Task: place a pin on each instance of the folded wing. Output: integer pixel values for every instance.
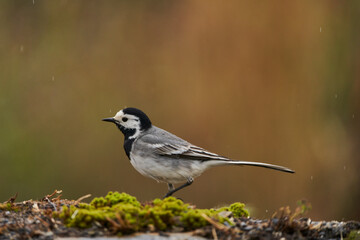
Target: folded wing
(187, 152)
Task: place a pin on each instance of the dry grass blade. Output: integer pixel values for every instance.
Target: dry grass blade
(82, 198)
(121, 221)
(114, 225)
(120, 225)
(217, 225)
(213, 231)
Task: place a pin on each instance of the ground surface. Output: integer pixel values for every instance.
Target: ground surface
(38, 220)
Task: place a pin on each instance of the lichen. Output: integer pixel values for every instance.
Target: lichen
(124, 214)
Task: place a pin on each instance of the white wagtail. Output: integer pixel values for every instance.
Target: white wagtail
(158, 154)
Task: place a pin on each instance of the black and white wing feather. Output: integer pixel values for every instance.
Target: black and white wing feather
(166, 144)
(187, 152)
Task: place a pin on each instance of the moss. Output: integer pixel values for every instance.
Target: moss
(238, 209)
(353, 235)
(5, 206)
(192, 219)
(124, 214)
(8, 207)
(113, 198)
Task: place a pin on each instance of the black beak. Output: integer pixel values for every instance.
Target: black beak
(109, 120)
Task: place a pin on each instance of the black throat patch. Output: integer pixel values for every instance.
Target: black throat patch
(128, 142)
(128, 145)
(145, 124)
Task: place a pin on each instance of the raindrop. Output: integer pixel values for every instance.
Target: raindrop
(33, 2)
(311, 178)
(266, 210)
(320, 29)
(344, 167)
(110, 110)
(335, 95)
(353, 116)
(21, 48)
(53, 78)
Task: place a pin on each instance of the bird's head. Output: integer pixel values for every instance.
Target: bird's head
(130, 121)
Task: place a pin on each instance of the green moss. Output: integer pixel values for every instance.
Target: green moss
(124, 214)
(113, 198)
(353, 235)
(192, 219)
(8, 207)
(238, 210)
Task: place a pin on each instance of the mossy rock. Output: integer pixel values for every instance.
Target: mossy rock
(129, 215)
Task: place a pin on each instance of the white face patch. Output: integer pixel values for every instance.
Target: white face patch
(128, 121)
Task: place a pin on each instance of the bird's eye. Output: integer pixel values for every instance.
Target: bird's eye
(124, 119)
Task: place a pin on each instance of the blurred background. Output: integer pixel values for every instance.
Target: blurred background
(251, 80)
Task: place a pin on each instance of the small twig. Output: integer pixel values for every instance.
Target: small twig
(213, 230)
(47, 198)
(341, 235)
(121, 221)
(74, 213)
(82, 198)
(121, 225)
(56, 198)
(12, 199)
(55, 192)
(274, 215)
(115, 226)
(217, 225)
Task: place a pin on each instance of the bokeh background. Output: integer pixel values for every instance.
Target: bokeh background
(277, 82)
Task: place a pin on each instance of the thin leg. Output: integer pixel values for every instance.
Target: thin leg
(170, 186)
(171, 192)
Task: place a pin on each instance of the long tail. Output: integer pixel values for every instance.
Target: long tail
(257, 164)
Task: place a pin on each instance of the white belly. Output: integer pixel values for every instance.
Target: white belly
(167, 170)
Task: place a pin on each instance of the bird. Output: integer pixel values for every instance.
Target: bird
(165, 157)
